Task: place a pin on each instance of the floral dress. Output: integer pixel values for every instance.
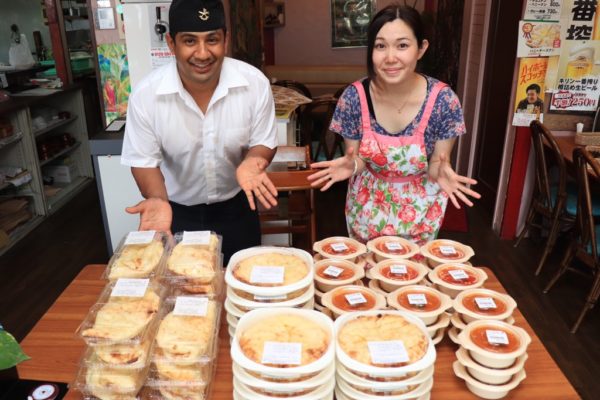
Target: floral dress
(393, 195)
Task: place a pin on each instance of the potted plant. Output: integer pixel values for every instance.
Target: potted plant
(10, 355)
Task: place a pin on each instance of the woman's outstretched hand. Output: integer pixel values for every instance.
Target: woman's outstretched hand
(453, 184)
(333, 171)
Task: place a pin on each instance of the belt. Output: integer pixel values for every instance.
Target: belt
(394, 179)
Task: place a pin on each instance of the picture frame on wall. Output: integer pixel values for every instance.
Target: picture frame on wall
(349, 22)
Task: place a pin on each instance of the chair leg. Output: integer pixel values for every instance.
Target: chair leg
(551, 239)
(528, 221)
(564, 265)
(590, 302)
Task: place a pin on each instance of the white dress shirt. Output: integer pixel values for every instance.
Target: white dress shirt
(198, 153)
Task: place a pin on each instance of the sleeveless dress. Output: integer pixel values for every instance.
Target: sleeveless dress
(393, 195)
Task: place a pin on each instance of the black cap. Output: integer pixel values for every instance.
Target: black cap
(196, 16)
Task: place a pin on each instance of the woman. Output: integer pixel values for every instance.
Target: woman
(399, 128)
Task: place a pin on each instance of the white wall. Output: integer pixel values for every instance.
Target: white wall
(27, 14)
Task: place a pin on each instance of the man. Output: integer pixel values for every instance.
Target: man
(532, 104)
(197, 130)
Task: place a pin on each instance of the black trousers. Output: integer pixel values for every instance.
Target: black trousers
(232, 219)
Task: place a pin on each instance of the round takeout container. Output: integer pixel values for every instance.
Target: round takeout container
(388, 281)
(429, 317)
(489, 358)
(325, 282)
(354, 248)
(324, 392)
(235, 259)
(352, 393)
(486, 391)
(490, 376)
(328, 299)
(452, 287)
(385, 247)
(247, 305)
(462, 253)
(472, 312)
(270, 373)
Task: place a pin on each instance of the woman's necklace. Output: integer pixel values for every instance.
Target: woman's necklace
(401, 108)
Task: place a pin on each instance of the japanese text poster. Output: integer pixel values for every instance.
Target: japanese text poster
(543, 10)
(529, 104)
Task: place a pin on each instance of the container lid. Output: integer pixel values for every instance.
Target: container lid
(195, 258)
(494, 339)
(399, 272)
(445, 251)
(128, 356)
(95, 380)
(457, 276)
(483, 303)
(340, 247)
(140, 254)
(351, 298)
(392, 247)
(337, 272)
(421, 300)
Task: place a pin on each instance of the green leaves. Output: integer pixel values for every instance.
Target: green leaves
(10, 351)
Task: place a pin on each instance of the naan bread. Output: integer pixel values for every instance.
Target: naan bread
(137, 261)
(192, 261)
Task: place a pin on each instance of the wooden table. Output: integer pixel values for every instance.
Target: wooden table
(55, 350)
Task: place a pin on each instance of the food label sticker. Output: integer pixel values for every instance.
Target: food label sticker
(193, 306)
(339, 247)
(485, 303)
(398, 269)
(269, 298)
(140, 237)
(458, 274)
(355, 298)
(262, 274)
(417, 299)
(196, 237)
(393, 246)
(130, 287)
(333, 271)
(282, 353)
(496, 337)
(388, 352)
(447, 250)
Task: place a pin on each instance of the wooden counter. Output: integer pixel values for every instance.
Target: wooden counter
(55, 350)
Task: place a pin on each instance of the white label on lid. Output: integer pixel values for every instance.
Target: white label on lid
(339, 247)
(355, 298)
(417, 299)
(485, 303)
(262, 274)
(398, 269)
(393, 246)
(447, 250)
(388, 352)
(196, 237)
(193, 306)
(280, 353)
(458, 274)
(130, 287)
(270, 298)
(333, 271)
(140, 237)
(496, 337)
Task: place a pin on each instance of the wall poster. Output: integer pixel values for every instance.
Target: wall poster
(529, 104)
(349, 22)
(114, 80)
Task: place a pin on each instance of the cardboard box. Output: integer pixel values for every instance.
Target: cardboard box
(61, 173)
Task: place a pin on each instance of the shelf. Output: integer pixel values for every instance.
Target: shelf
(59, 154)
(74, 17)
(20, 231)
(21, 176)
(56, 124)
(11, 139)
(67, 190)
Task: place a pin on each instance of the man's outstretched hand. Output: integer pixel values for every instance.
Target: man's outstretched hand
(155, 214)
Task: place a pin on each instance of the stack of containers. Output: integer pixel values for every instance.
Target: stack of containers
(380, 356)
(341, 248)
(283, 353)
(425, 303)
(491, 357)
(352, 298)
(267, 277)
(442, 251)
(392, 247)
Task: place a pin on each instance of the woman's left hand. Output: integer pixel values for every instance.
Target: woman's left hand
(453, 184)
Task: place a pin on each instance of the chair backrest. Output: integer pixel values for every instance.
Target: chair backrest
(314, 122)
(586, 164)
(539, 135)
(297, 86)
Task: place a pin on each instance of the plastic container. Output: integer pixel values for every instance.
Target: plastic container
(330, 273)
(490, 376)
(441, 324)
(302, 372)
(324, 392)
(350, 392)
(393, 274)
(486, 391)
(384, 373)
(340, 247)
(506, 354)
(374, 285)
(475, 304)
(443, 251)
(119, 356)
(453, 278)
(194, 260)
(99, 381)
(235, 283)
(139, 255)
(157, 389)
(386, 247)
(123, 320)
(184, 287)
(429, 304)
(248, 305)
(352, 298)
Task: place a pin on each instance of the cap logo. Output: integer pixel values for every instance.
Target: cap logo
(204, 14)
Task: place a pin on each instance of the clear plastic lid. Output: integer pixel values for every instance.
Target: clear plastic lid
(140, 254)
(195, 258)
(157, 389)
(126, 313)
(119, 356)
(186, 287)
(188, 331)
(96, 381)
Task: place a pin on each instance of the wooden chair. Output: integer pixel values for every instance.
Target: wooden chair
(548, 200)
(585, 239)
(296, 197)
(297, 86)
(314, 124)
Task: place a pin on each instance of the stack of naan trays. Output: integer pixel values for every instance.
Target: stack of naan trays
(385, 354)
(283, 353)
(267, 277)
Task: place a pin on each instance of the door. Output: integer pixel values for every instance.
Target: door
(497, 85)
